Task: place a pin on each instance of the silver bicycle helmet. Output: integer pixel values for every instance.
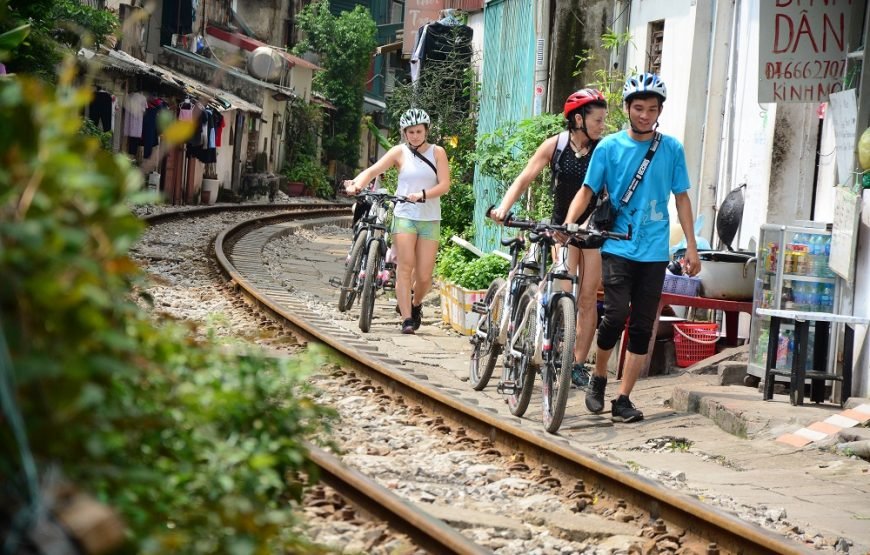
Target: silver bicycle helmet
(414, 116)
(644, 83)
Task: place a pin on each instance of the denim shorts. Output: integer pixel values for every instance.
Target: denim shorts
(422, 229)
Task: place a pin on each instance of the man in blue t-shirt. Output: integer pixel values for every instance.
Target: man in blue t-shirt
(634, 270)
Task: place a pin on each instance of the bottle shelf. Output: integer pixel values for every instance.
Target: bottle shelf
(811, 279)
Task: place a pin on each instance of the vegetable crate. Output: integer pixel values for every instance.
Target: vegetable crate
(456, 305)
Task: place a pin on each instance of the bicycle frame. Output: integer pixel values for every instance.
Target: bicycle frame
(545, 299)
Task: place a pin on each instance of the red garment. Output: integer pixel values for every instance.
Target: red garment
(219, 127)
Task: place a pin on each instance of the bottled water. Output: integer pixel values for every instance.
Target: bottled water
(827, 298)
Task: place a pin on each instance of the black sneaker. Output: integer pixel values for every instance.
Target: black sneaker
(580, 376)
(595, 393)
(408, 326)
(417, 315)
(624, 410)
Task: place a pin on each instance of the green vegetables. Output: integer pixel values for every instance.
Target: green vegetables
(459, 266)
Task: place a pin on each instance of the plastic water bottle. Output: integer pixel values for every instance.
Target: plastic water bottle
(827, 298)
(817, 248)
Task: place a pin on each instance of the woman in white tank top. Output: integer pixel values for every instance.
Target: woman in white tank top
(424, 176)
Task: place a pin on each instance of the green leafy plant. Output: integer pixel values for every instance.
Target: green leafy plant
(93, 130)
(199, 449)
(608, 81)
(54, 26)
(504, 153)
(461, 267)
(308, 171)
(345, 44)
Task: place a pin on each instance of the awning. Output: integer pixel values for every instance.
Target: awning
(121, 61)
(389, 47)
(317, 98)
(250, 44)
(371, 105)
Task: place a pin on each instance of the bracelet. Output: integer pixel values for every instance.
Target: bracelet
(424, 194)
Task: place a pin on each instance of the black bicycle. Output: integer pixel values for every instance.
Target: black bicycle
(366, 269)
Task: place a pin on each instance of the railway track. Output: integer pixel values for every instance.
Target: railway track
(236, 249)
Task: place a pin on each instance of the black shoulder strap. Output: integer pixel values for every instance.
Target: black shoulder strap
(644, 164)
(421, 157)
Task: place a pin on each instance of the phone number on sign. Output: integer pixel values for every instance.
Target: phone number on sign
(814, 69)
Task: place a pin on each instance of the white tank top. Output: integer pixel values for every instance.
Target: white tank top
(415, 176)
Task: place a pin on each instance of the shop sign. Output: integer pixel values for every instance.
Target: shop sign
(802, 48)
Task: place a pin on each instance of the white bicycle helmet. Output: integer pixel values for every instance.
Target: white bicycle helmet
(414, 116)
(644, 83)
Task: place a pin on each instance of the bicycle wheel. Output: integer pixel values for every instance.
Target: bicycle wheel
(485, 346)
(556, 377)
(351, 275)
(521, 371)
(367, 301)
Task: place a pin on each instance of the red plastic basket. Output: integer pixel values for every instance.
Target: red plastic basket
(695, 341)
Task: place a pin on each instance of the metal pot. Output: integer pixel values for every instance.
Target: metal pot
(727, 275)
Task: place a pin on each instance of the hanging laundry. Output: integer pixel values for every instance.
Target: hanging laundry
(134, 107)
(150, 134)
(100, 109)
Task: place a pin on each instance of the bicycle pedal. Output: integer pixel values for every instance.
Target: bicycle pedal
(479, 307)
(335, 282)
(507, 388)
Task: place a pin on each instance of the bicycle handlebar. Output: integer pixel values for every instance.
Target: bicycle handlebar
(570, 229)
(385, 196)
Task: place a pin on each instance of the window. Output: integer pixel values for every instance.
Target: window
(654, 47)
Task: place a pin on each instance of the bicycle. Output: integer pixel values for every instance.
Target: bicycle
(366, 268)
(544, 326)
(493, 329)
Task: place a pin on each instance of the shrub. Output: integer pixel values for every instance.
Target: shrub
(458, 265)
(308, 171)
(196, 447)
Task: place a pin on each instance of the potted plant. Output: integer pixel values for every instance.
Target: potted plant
(464, 280)
(210, 184)
(308, 172)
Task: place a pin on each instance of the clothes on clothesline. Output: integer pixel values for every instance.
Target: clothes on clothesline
(100, 109)
(134, 106)
(150, 135)
(204, 144)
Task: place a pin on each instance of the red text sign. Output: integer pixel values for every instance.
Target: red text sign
(802, 48)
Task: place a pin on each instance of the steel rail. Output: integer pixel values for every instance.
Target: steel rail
(201, 211)
(729, 532)
(426, 531)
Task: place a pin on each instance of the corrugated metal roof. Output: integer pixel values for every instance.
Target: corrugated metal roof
(121, 61)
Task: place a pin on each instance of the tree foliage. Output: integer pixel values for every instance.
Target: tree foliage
(503, 155)
(345, 44)
(197, 448)
(56, 25)
(447, 91)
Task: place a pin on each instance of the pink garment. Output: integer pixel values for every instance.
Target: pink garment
(135, 106)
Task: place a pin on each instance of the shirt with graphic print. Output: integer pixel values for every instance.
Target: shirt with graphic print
(614, 164)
